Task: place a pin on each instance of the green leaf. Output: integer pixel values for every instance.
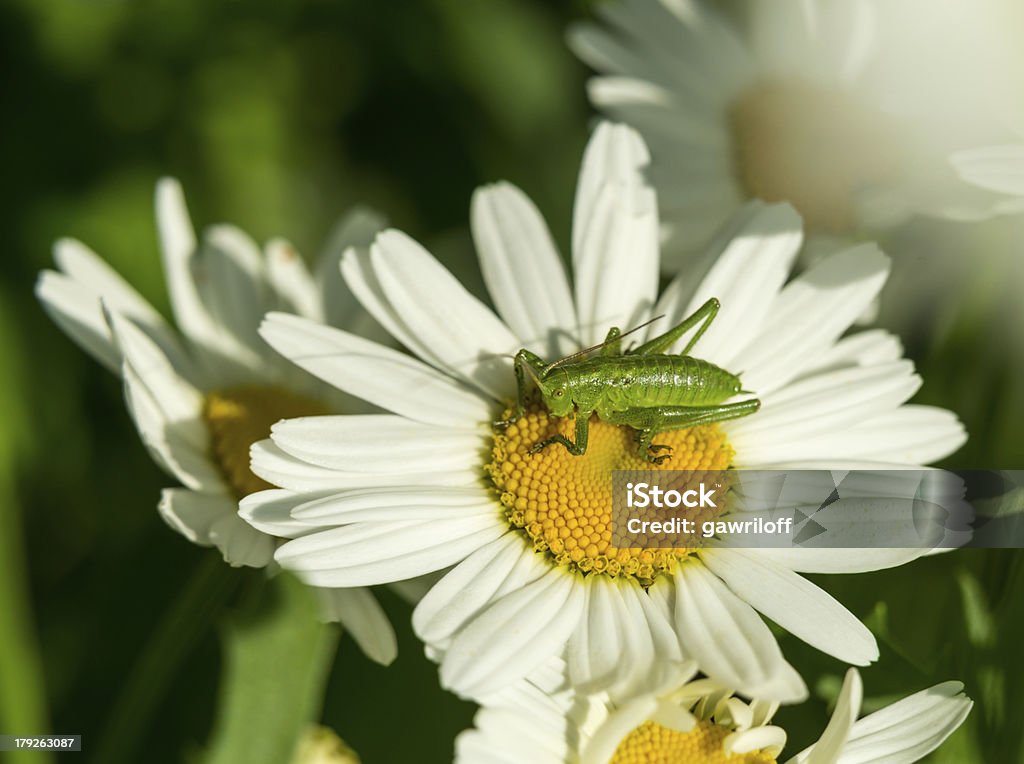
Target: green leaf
(277, 657)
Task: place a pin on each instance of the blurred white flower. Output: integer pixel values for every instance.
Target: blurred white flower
(846, 109)
(698, 722)
(374, 499)
(999, 169)
(200, 396)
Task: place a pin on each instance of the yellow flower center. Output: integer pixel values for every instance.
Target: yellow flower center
(237, 417)
(813, 147)
(650, 743)
(563, 503)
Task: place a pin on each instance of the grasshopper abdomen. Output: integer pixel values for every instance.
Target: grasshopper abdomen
(657, 380)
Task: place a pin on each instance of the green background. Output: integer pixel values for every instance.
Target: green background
(278, 117)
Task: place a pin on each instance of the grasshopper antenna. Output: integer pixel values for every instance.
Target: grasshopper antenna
(585, 351)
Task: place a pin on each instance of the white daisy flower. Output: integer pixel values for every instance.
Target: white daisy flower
(200, 398)
(372, 499)
(812, 105)
(701, 723)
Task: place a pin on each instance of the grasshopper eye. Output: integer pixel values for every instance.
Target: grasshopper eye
(559, 393)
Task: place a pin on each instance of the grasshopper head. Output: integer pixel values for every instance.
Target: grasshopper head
(555, 390)
(553, 384)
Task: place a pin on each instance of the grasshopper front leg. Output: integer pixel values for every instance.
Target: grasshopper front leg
(576, 449)
(524, 360)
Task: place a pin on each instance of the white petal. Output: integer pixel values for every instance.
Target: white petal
(755, 739)
(272, 464)
(292, 284)
(285, 514)
(356, 229)
(240, 543)
(795, 604)
(861, 349)
(268, 461)
(79, 314)
(452, 325)
(380, 552)
(362, 616)
(680, 293)
(180, 401)
(192, 514)
(810, 560)
(86, 268)
(746, 280)
(522, 269)
(818, 406)
(166, 409)
(378, 443)
(672, 716)
(615, 234)
(212, 520)
(659, 115)
(395, 504)
(830, 745)
(810, 314)
(909, 729)
(361, 278)
(270, 512)
(173, 452)
(908, 435)
(390, 379)
(526, 727)
(514, 636)
(609, 632)
(729, 640)
(473, 747)
(179, 249)
(399, 504)
(620, 619)
(601, 746)
(73, 299)
(997, 168)
(502, 566)
(827, 41)
(657, 614)
(686, 46)
(231, 281)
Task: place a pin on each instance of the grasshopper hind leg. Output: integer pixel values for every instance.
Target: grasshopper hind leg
(648, 450)
(648, 422)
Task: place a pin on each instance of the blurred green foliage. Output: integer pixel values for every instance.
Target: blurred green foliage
(277, 117)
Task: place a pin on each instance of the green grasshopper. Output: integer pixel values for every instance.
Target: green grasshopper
(643, 388)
